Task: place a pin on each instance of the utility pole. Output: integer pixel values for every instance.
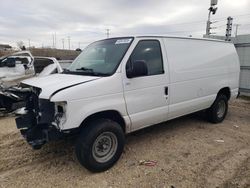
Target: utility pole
(55, 39)
(29, 42)
(79, 45)
(236, 29)
(63, 43)
(108, 32)
(212, 10)
(229, 28)
(69, 41)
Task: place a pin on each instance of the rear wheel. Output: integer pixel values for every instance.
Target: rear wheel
(218, 111)
(100, 145)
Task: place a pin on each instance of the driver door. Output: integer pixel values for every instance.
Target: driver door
(147, 96)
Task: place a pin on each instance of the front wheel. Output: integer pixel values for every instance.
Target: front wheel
(218, 111)
(100, 145)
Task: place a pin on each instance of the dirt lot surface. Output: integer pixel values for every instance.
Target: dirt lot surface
(189, 152)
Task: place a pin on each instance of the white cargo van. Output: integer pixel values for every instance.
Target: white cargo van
(120, 85)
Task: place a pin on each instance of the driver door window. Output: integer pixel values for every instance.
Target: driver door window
(148, 51)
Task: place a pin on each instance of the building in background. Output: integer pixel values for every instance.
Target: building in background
(4, 47)
(242, 44)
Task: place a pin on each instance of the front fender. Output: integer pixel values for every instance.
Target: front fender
(78, 110)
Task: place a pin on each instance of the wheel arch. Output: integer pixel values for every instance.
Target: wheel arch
(107, 114)
(225, 91)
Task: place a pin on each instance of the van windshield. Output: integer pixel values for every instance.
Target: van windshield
(100, 58)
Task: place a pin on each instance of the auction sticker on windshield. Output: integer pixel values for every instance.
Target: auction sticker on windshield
(123, 41)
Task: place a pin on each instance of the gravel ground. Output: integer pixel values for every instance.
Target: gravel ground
(189, 151)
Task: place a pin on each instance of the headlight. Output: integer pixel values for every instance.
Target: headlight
(60, 113)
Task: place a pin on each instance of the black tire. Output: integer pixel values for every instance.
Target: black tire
(88, 144)
(213, 114)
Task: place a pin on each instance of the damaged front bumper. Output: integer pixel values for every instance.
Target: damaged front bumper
(37, 124)
(37, 134)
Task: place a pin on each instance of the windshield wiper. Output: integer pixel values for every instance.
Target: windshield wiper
(66, 70)
(92, 72)
(85, 69)
(100, 74)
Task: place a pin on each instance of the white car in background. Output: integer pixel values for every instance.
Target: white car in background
(17, 67)
(22, 65)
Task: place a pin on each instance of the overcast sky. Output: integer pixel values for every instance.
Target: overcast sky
(86, 21)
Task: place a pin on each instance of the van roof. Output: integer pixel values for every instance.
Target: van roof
(180, 37)
(176, 37)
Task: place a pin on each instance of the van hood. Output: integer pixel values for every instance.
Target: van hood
(54, 83)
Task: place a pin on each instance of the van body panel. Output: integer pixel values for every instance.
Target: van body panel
(192, 72)
(198, 70)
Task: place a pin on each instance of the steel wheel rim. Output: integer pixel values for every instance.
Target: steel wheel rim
(221, 109)
(104, 147)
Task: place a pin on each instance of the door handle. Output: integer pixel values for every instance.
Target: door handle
(166, 90)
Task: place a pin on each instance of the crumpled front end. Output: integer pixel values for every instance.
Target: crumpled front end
(37, 122)
(11, 99)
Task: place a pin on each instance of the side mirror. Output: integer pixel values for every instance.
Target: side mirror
(10, 62)
(137, 68)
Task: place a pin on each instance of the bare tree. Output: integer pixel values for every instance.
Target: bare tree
(20, 44)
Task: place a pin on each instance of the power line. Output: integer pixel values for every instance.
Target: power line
(234, 16)
(219, 19)
(170, 32)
